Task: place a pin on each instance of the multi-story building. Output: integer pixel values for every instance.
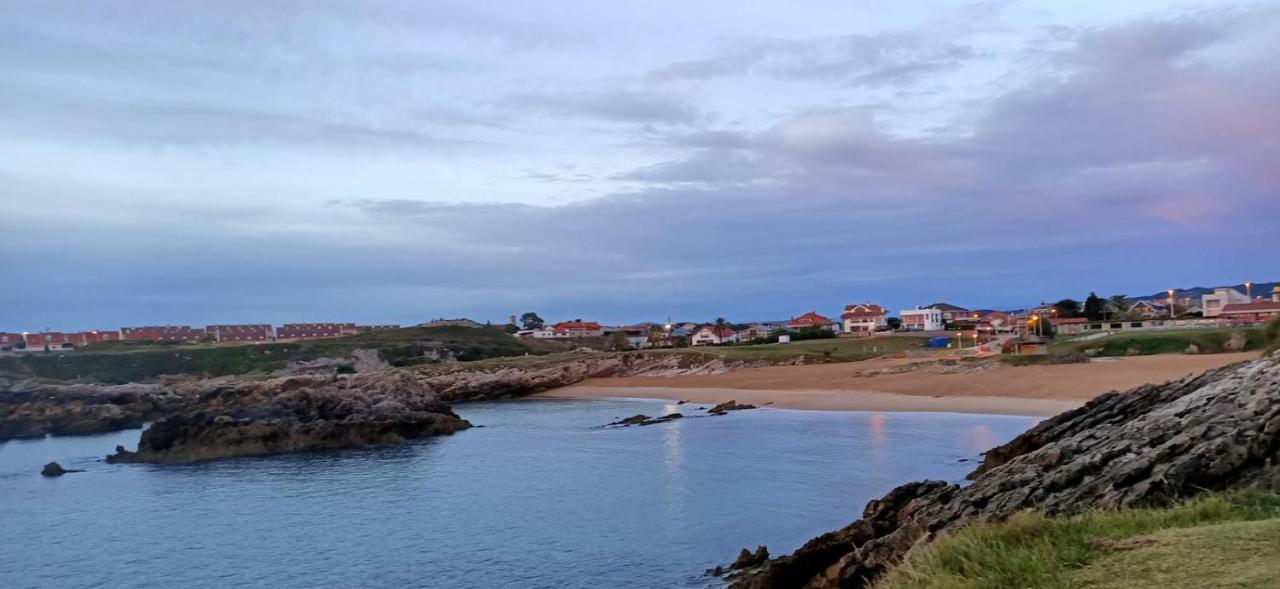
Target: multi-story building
(9, 341)
(48, 339)
(712, 335)
(162, 333)
(369, 328)
(241, 333)
(949, 312)
(577, 328)
(84, 338)
(864, 319)
(922, 319)
(294, 331)
(1211, 305)
(811, 320)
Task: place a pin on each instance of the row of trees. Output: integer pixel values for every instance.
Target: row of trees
(1095, 308)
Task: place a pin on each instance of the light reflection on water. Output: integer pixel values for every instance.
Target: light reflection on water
(540, 497)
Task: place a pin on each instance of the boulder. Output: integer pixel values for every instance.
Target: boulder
(53, 469)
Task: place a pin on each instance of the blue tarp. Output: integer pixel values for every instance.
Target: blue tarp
(939, 342)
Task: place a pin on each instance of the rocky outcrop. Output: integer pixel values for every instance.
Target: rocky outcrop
(295, 414)
(730, 405)
(53, 469)
(32, 409)
(642, 419)
(1149, 446)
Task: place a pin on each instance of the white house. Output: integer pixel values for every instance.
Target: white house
(1212, 304)
(922, 319)
(864, 318)
(712, 335)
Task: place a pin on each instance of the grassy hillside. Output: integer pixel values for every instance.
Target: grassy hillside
(818, 350)
(1208, 341)
(1226, 540)
(120, 362)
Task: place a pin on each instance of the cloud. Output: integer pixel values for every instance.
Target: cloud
(624, 106)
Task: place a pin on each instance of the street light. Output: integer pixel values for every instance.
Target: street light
(1248, 290)
(1171, 303)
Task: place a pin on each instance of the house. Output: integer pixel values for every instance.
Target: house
(544, 332)
(922, 319)
(1255, 312)
(162, 333)
(812, 320)
(949, 312)
(577, 328)
(1069, 325)
(8, 341)
(637, 335)
(46, 340)
(1148, 310)
(241, 333)
(713, 335)
(459, 322)
(760, 331)
(296, 331)
(1211, 305)
(84, 338)
(864, 319)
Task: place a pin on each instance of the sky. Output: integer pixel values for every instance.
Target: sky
(196, 162)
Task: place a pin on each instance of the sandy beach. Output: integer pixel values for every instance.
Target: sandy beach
(855, 386)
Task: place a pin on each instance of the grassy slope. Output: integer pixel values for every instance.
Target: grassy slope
(1209, 341)
(1209, 542)
(135, 361)
(830, 350)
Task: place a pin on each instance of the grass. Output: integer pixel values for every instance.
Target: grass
(1210, 541)
(121, 362)
(1208, 341)
(817, 350)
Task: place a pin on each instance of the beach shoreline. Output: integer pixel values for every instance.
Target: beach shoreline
(1039, 390)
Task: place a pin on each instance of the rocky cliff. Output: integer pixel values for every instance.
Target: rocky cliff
(32, 409)
(1151, 445)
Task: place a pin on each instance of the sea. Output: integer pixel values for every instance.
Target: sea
(540, 496)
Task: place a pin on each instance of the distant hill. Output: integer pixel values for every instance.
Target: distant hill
(1260, 289)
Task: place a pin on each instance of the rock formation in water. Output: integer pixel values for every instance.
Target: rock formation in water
(33, 409)
(295, 414)
(1148, 446)
(642, 419)
(730, 405)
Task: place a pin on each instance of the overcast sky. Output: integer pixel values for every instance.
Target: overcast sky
(201, 162)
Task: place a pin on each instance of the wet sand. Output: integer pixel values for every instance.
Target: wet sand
(1027, 390)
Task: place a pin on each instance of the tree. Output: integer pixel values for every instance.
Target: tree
(531, 320)
(894, 323)
(1094, 307)
(1067, 308)
(510, 328)
(618, 341)
(1118, 305)
(721, 322)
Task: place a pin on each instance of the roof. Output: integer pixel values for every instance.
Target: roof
(810, 319)
(567, 325)
(863, 310)
(718, 330)
(945, 307)
(1069, 321)
(1254, 307)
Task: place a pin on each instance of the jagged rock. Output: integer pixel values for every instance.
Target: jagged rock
(1149, 446)
(730, 405)
(642, 419)
(33, 409)
(1237, 342)
(297, 414)
(747, 559)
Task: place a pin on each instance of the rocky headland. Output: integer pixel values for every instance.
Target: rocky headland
(1149, 446)
(32, 409)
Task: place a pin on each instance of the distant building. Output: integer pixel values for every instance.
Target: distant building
(1148, 310)
(8, 341)
(459, 322)
(922, 319)
(1069, 325)
(577, 328)
(48, 339)
(241, 333)
(949, 312)
(810, 320)
(162, 333)
(864, 319)
(713, 335)
(1255, 312)
(84, 338)
(760, 331)
(1211, 305)
(296, 331)
(369, 328)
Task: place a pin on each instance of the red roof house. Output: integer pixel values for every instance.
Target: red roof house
(577, 328)
(812, 319)
(864, 318)
(1255, 312)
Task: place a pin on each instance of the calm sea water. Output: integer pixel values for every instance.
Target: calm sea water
(539, 497)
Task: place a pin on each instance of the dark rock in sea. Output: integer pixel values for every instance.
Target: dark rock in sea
(730, 405)
(747, 559)
(681, 402)
(1152, 445)
(643, 419)
(298, 414)
(53, 469)
(33, 409)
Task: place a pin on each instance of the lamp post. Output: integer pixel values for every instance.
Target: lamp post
(1248, 290)
(1171, 304)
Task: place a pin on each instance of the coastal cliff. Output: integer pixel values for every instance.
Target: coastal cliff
(1148, 446)
(33, 409)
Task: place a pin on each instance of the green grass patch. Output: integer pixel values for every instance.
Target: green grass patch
(1031, 550)
(120, 362)
(1206, 341)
